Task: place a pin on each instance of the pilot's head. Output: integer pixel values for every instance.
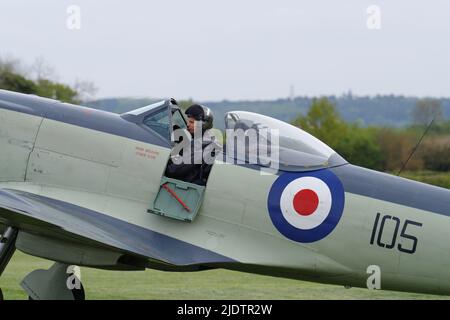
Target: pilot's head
(197, 112)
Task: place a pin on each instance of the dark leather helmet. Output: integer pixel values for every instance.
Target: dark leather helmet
(201, 113)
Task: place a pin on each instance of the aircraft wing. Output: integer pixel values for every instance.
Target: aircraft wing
(58, 219)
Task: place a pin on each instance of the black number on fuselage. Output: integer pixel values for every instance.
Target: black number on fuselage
(374, 230)
(409, 236)
(403, 234)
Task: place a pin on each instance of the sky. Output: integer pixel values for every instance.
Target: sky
(230, 49)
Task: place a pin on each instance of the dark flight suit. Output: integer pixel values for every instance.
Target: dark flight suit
(192, 173)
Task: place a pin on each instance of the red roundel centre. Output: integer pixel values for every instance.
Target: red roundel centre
(306, 202)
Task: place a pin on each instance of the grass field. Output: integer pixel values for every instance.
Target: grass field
(214, 284)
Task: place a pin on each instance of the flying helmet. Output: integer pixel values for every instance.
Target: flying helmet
(201, 113)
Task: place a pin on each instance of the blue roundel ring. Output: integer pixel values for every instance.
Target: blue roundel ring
(320, 231)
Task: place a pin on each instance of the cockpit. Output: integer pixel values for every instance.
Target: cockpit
(292, 148)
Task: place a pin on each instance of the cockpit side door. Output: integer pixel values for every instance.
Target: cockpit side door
(144, 163)
(174, 198)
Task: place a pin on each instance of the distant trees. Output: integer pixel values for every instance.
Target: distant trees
(396, 146)
(435, 153)
(426, 110)
(54, 90)
(14, 79)
(323, 122)
(356, 144)
(360, 146)
(86, 90)
(378, 148)
(15, 82)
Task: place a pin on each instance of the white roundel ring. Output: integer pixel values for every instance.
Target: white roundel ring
(306, 207)
(306, 202)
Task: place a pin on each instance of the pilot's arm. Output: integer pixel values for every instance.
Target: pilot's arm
(183, 171)
(179, 171)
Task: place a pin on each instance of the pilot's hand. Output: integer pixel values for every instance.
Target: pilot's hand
(176, 159)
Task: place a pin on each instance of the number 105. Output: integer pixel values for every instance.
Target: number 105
(378, 228)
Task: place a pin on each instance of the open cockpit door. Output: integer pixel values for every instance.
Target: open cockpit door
(175, 199)
(178, 199)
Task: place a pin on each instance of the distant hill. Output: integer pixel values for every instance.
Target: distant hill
(386, 110)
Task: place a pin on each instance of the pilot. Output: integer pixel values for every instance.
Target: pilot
(198, 117)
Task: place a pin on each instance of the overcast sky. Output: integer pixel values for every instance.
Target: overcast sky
(252, 49)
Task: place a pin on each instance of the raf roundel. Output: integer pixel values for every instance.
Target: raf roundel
(306, 207)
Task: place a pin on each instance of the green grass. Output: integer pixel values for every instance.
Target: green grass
(214, 284)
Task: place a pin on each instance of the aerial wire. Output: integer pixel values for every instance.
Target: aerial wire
(417, 145)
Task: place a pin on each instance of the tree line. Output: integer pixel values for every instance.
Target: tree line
(38, 80)
(383, 148)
